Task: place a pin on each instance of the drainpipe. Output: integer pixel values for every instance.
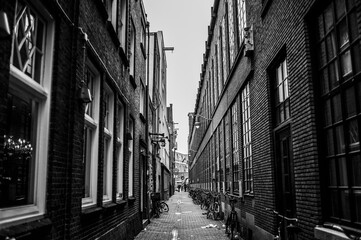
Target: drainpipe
(147, 119)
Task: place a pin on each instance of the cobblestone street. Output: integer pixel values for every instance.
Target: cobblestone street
(183, 221)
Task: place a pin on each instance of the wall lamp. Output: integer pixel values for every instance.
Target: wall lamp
(198, 123)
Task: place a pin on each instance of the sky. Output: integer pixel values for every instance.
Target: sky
(184, 24)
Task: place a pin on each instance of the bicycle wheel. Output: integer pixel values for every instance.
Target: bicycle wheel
(164, 207)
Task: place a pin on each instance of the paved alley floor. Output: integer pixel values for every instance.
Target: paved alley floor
(183, 221)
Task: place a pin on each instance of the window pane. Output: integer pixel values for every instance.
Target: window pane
(327, 109)
(332, 172)
(329, 17)
(336, 106)
(356, 170)
(357, 202)
(353, 133)
(330, 143)
(17, 156)
(322, 54)
(342, 171)
(356, 58)
(350, 102)
(340, 140)
(345, 205)
(324, 81)
(340, 8)
(334, 203)
(87, 160)
(285, 86)
(334, 74)
(346, 65)
(331, 45)
(343, 33)
(320, 28)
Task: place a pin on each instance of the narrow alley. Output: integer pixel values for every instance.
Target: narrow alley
(183, 221)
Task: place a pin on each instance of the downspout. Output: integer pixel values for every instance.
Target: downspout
(147, 118)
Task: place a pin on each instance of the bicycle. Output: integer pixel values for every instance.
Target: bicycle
(291, 228)
(159, 206)
(232, 219)
(213, 210)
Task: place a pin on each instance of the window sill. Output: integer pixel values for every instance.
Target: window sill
(131, 199)
(132, 81)
(121, 202)
(322, 233)
(30, 229)
(86, 213)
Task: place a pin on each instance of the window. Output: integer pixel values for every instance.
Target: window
(338, 69)
(221, 155)
(220, 64)
(120, 150)
(111, 7)
(231, 31)
(228, 156)
(281, 93)
(108, 143)
(241, 19)
(224, 50)
(122, 23)
(142, 38)
(247, 141)
(24, 147)
(142, 99)
(235, 148)
(132, 51)
(131, 158)
(91, 133)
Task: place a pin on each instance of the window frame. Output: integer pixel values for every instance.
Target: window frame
(120, 150)
(131, 158)
(20, 83)
(93, 123)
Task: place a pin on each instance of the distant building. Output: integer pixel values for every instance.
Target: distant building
(277, 118)
(181, 169)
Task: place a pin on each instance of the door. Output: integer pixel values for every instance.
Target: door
(285, 191)
(144, 187)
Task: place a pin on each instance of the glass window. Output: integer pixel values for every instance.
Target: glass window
(241, 18)
(221, 155)
(341, 106)
(132, 50)
(281, 89)
(235, 147)
(231, 35)
(228, 150)
(131, 159)
(224, 49)
(111, 7)
(108, 143)
(120, 150)
(24, 145)
(122, 23)
(90, 142)
(247, 142)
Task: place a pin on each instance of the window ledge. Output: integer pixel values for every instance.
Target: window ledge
(90, 211)
(121, 202)
(42, 226)
(131, 199)
(109, 205)
(322, 233)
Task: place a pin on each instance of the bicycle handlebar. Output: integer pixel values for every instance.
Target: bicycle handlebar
(281, 216)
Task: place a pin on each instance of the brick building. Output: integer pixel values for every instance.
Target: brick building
(277, 116)
(72, 119)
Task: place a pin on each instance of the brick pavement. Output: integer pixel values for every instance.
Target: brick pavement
(183, 221)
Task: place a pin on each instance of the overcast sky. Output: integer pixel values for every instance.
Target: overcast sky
(184, 24)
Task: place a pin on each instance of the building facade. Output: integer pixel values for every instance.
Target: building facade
(73, 145)
(181, 170)
(277, 116)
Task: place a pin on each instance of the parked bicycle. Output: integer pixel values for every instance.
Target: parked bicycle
(213, 210)
(347, 233)
(232, 224)
(291, 228)
(159, 206)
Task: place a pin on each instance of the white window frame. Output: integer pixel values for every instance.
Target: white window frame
(20, 83)
(142, 99)
(120, 151)
(93, 123)
(131, 159)
(132, 50)
(108, 145)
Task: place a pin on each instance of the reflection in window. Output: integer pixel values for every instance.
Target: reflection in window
(17, 158)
